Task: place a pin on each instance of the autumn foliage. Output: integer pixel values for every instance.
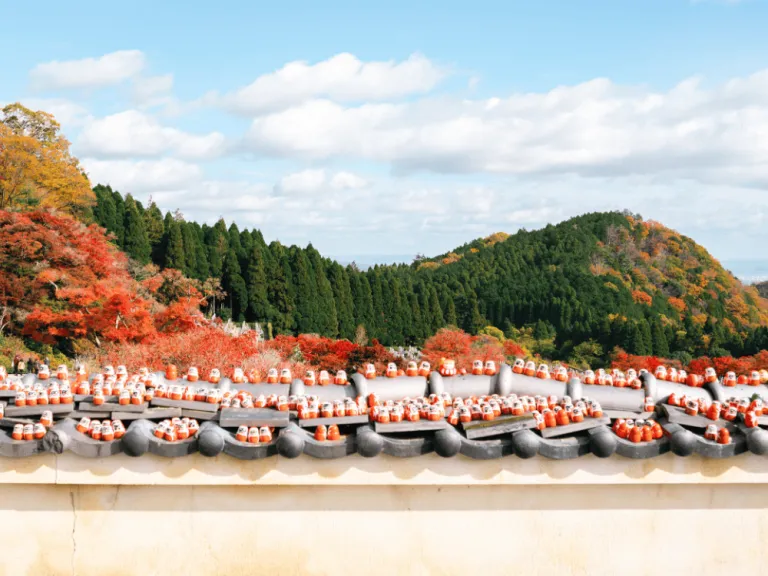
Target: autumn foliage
(36, 167)
(63, 283)
(463, 348)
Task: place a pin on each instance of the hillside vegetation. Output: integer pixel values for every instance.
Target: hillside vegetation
(581, 287)
(582, 291)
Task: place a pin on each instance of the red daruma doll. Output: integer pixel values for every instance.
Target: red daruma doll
(272, 376)
(285, 378)
(424, 369)
(477, 367)
(324, 378)
(447, 367)
(38, 431)
(391, 370)
(369, 372)
(518, 366)
(309, 378)
(412, 369)
(340, 379)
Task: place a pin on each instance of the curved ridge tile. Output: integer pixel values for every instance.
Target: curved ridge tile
(65, 436)
(328, 449)
(564, 448)
(642, 450)
(11, 448)
(371, 443)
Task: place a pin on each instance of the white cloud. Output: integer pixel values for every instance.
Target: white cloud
(135, 134)
(593, 129)
(304, 182)
(107, 70)
(153, 90)
(348, 180)
(144, 176)
(341, 78)
(69, 114)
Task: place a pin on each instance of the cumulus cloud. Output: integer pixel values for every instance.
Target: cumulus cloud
(136, 134)
(112, 68)
(304, 182)
(153, 90)
(143, 176)
(340, 78)
(593, 129)
(348, 180)
(69, 114)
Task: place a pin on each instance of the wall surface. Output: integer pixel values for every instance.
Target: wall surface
(120, 516)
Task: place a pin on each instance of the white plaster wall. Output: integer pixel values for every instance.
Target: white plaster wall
(119, 516)
(372, 530)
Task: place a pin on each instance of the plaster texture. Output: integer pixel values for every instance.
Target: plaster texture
(562, 528)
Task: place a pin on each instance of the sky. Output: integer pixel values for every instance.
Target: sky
(379, 130)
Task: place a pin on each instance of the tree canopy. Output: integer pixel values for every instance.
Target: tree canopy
(36, 167)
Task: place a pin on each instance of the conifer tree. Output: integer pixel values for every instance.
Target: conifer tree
(659, 341)
(435, 314)
(136, 243)
(234, 286)
(190, 250)
(342, 294)
(363, 301)
(306, 310)
(174, 244)
(280, 290)
(119, 218)
(256, 280)
(326, 319)
(153, 224)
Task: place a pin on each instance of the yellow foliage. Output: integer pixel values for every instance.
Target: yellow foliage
(451, 258)
(36, 166)
(611, 286)
(474, 250)
(700, 319)
(428, 266)
(495, 238)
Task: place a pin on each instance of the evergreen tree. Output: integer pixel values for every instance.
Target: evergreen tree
(470, 319)
(174, 245)
(363, 301)
(202, 269)
(153, 224)
(258, 300)
(659, 341)
(342, 294)
(378, 325)
(326, 318)
(279, 289)
(136, 243)
(235, 286)
(635, 343)
(645, 334)
(119, 218)
(234, 242)
(434, 319)
(306, 310)
(190, 250)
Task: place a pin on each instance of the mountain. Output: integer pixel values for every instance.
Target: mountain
(609, 279)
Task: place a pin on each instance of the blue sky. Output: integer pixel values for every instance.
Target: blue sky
(380, 129)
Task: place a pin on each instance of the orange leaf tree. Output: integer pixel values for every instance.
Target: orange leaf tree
(36, 167)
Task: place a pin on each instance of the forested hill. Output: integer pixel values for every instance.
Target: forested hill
(608, 278)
